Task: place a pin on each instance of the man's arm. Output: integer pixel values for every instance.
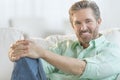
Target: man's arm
(26, 48)
(66, 64)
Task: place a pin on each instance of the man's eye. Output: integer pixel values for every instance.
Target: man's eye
(88, 21)
(77, 23)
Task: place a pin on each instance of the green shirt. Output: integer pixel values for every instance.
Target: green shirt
(102, 57)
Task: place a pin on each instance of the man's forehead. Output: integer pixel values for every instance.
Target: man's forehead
(83, 14)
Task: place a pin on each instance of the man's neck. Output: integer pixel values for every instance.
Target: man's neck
(85, 45)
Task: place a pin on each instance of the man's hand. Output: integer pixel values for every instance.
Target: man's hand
(25, 48)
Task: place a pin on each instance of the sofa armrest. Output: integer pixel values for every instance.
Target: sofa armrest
(8, 36)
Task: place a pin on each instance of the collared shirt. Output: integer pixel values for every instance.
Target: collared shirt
(102, 57)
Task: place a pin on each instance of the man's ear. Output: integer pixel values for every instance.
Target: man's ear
(99, 21)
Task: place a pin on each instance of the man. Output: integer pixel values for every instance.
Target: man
(92, 57)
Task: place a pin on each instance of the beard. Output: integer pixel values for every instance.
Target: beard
(86, 36)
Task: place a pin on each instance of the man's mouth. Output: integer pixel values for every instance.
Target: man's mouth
(84, 33)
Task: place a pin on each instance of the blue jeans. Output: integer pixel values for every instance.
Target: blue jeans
(28, 69)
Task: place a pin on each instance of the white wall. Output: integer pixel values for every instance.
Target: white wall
(54, 13)
(110, 13)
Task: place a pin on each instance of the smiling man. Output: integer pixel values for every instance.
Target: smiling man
(91, 57)
(85, 25)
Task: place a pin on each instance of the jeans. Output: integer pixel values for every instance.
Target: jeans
(28, 69)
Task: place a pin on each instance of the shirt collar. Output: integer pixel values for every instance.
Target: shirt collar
(93, 43)
(98, 41)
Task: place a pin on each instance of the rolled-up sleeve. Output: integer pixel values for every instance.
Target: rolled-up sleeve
(103, 65)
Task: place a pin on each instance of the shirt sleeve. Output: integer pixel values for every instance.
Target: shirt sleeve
(59, 48)
(48, 68)
(104, 64)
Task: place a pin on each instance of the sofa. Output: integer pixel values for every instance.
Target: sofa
(10, 35)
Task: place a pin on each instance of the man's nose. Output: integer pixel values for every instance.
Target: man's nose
(83, 27)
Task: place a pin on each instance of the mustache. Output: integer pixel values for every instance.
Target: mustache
(84, 31)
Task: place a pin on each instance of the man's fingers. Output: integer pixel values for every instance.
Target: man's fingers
(20, 42)
(17, 54)
(19, 49)
(13, 59)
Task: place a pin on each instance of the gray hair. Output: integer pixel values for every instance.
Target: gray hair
(82, 5)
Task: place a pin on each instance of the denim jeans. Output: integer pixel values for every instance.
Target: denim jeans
(28, 69)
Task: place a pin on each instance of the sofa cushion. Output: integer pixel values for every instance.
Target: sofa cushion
(113, 35)
(52, 40)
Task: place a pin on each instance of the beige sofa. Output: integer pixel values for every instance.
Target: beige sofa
(9, 36)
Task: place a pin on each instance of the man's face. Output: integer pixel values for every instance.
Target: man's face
(85, 25)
